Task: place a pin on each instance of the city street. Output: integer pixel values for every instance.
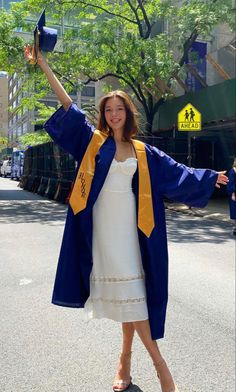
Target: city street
(46, 348)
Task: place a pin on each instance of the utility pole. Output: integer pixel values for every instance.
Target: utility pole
(189, 149)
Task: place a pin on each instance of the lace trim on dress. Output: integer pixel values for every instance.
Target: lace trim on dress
(111, 279)
(119, 301)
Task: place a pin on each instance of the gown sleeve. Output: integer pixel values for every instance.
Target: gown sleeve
(231, 186)
(184, 184)
(70, 130)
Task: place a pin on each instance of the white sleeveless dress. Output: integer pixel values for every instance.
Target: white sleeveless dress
(117, 288)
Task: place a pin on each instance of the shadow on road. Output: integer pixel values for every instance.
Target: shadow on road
(134, 388)
(18, 206)
(18, 194)
(26, 207)
(184, 228)
(40, 211)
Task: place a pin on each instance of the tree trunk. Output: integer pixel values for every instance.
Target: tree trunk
(149, 123)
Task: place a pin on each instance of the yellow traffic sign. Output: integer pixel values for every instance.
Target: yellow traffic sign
(189, 119)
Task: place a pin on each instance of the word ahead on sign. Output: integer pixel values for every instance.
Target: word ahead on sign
(189, 119)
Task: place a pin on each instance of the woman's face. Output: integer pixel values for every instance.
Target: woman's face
(115, 114)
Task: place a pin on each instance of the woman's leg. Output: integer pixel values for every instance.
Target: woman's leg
(128, 334)
(144, 332)
(123, 371)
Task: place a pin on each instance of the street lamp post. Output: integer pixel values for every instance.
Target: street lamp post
(189, 149)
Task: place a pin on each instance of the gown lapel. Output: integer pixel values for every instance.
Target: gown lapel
(103, 161)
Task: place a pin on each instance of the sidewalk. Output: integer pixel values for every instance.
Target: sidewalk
(216, 209)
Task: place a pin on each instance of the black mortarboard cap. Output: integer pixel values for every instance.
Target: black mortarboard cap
(45, 38)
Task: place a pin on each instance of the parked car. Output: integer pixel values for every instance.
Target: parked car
(17, 164)
(6, 168)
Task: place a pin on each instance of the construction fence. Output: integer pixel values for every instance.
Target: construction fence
(48, 171)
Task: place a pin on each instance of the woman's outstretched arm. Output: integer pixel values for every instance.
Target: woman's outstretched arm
(56, 86)
(68, 126)
(184, 184)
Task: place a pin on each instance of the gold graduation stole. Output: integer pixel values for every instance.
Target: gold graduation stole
(145, 207)
(81, 189)
(82, 186)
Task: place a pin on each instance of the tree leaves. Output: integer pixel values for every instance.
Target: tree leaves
(140, 43)
(32, 139)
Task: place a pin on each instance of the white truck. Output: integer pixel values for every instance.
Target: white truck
(6, 168)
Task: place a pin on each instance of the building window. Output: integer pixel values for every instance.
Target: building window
(19, 131)
(88, 91)
(24, 127)
(52, 104)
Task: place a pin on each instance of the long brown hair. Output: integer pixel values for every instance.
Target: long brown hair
(131, 123)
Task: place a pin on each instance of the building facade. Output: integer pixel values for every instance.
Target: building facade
(3, 104)
(19, 119)
(211, 90)
(16, 120)
(22, 120)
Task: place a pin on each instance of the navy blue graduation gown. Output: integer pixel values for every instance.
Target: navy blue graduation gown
(72, 131)
(231, 188)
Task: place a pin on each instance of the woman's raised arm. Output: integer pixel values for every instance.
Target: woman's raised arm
(56, 86)
(68, 126)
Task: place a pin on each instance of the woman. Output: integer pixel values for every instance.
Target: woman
(107, 264)
(231, 190)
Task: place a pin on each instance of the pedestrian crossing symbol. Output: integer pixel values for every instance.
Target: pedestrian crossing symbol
(189, 119)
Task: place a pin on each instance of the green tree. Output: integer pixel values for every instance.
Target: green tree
(3, 142)
(32, 139)
(120, 39)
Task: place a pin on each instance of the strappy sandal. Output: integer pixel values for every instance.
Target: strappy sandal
(122, 385)
(158, 367)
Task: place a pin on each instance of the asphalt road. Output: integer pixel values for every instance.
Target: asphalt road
(45, 348)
